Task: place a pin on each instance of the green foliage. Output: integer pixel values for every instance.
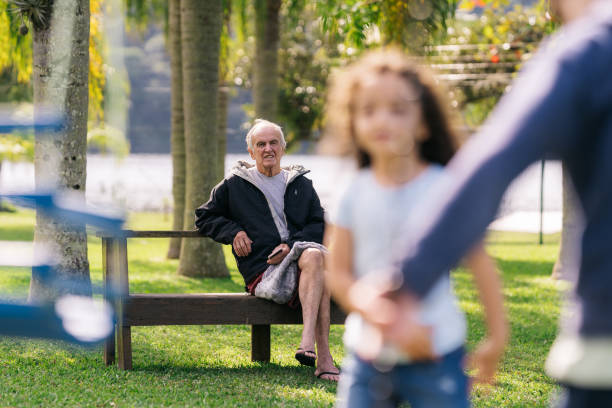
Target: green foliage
(16, 52)
(210, 365)
(407, 23)
(347, 22)
(12, 90)
(304, 64)
(506, 38)
(476, 112)
(499, 25)
(140, 13)
(108, 139)
(38, 12)
(16, 148)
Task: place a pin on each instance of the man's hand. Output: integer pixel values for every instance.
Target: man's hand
(276, 259)
(242, 244)
(395, 316)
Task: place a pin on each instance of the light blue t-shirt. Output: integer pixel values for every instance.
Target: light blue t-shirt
(273, 189)
(379, 217)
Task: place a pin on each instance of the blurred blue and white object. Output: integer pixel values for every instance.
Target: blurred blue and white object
(85, 319)
(17, 118)
(77, 319)
(68, 208)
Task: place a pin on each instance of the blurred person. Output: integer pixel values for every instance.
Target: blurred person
(560, 107)
(387, 113)
(268, 213)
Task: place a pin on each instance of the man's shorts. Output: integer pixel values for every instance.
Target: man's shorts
(293, 303)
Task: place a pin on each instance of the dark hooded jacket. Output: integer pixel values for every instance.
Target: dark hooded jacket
(237, 204)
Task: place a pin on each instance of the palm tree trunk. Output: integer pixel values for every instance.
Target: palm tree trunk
(567, 264)
(223, 103)
(200, 35)
(265, 74)
(60, 75)
(177, 136)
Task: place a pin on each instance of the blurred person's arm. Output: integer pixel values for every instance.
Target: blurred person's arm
(547, 114)
(542, 116)
(339, 271)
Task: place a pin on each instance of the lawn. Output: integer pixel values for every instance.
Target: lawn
(210, 365)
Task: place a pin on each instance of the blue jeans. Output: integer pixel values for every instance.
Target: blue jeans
(574, 397)
(438, 384)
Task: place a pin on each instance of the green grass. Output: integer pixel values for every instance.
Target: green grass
(210, 365)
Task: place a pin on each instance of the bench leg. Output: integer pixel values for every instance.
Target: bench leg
(109, 349)
(260, 342)
(124, 347)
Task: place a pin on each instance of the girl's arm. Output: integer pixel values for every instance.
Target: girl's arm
(339, 272)
(488, 353)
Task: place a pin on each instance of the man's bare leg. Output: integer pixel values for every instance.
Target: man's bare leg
(316, 310)
(310, 291)
(325, 361)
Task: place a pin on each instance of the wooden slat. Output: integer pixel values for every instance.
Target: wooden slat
(150, 234)
(124, 348)
(107, 262)
(210, 308)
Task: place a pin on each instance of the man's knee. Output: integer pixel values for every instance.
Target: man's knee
(311, 258)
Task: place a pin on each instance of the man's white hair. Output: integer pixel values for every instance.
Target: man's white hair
(262, 122)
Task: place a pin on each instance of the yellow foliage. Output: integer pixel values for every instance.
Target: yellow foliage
(97, 51)
(16, 53)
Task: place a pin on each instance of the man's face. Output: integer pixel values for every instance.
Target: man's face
(267, 149)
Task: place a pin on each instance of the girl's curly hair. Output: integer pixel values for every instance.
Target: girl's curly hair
(339, 137)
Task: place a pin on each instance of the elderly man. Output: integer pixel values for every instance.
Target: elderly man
(268, 213)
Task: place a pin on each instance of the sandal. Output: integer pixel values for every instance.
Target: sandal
(305, 359)
(321, 374)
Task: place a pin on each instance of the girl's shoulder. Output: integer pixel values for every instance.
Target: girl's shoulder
(362, 179)
(432, 173)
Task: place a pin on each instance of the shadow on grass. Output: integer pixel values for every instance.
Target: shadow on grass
(256, 369)
(267, 375)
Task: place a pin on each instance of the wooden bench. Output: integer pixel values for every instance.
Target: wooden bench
(157, 309)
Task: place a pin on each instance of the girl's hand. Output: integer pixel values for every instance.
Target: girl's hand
(396, 318)
(408, 333)
(485, 360)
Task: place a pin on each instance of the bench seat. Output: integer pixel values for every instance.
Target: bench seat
(161, 309)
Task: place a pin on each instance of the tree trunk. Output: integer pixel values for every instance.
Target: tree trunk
(177, 136)
(567, 264)
(265, 73)
(224, 90)
(60, 75)
(200, 35)
(223, 102)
